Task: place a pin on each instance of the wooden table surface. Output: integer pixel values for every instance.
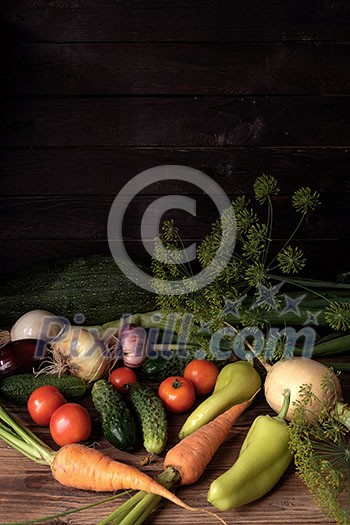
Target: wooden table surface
(95, 93)
(28, 491)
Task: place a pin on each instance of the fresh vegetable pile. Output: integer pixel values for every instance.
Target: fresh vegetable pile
(205, 355)
(126, 405)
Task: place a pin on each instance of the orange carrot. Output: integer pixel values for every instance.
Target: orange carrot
(184, 463)
(191, 455)
(81, 467)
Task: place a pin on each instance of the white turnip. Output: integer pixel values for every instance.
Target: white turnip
(297, 371)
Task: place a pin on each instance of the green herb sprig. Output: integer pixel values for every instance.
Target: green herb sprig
(250, 270)
(321, 451)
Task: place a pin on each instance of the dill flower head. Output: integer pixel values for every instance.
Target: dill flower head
(255, 274)
(337, 315)
(305, 199)
(322, 458)
(265, 186)
(291, 260)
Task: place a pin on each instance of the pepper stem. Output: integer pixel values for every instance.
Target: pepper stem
(285, 406)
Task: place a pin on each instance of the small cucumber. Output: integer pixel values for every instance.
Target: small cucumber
(151, 413)
(160, 368)
(18, 388)
(118, 424)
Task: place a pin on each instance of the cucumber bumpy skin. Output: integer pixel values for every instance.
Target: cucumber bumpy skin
(160, 368)
(19, 387)
(151, 413)
(118, 424)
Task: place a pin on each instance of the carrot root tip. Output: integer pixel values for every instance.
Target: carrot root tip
(147, 460)
(201, 509)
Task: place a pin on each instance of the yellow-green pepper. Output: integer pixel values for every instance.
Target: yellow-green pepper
(263, 459)
(236, 382)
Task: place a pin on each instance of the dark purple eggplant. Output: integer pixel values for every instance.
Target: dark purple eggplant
(21, 356)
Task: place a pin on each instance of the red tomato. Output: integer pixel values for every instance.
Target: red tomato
(70, 423)
(43, 402)
(177, 393)
(202, 374)
(121, 378)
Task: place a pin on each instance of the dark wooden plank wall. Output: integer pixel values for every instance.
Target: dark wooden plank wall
(96, 92)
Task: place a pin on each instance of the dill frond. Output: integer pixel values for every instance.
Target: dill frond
(240, 204)
(322, 456)
(258, 232)
(265, 186)
(337, 315)
(245, 216)
(232, 273)
(231, 276)
(304, 199)
(276, 348)
(208, 248)
(255, 274)
(252, 250)
(254, 245)
(291, 260)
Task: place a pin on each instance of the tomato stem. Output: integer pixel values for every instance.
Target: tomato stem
(177, 383)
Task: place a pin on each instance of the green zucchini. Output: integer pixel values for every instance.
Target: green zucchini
(18, 388)
(92, 286)
(118, 424)
(152, 416)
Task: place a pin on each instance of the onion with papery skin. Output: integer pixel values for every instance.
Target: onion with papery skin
(81, 353)
(133, 341)
(292, 374)
(21, 356)
(36, 324)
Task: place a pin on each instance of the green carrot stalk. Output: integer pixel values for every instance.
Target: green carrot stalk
(121, 512)
(141, 511)
(139, 507)
(67, 512)
(23, 440)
